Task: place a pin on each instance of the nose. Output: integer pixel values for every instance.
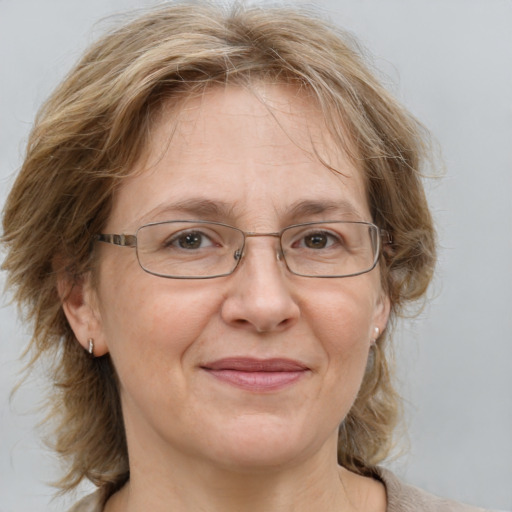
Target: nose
(260, 297)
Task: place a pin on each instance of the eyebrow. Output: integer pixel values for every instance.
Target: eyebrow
(201, 208)
(311, 207)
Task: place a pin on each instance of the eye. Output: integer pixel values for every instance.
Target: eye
(317, 240)
(189, 240)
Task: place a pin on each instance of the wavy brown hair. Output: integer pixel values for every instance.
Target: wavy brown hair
(94, 127)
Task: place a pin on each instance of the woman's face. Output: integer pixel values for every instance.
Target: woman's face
(187, 351)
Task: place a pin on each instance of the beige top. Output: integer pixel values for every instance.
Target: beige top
(400, 498)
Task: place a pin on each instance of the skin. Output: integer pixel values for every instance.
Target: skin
(197, 443)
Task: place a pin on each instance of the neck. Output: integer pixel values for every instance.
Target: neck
(276, 492)
(182, 483)
(177, 477)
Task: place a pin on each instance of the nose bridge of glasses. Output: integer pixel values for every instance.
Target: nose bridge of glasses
(251, 234)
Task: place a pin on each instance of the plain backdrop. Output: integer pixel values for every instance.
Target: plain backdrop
(450, 62)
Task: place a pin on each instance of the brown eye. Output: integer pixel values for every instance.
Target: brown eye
(316, 241)
(188, 240)
(192, 240)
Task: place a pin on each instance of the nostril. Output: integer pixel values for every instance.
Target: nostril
(284, 323)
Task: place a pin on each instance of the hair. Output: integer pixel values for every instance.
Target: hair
(95, 126)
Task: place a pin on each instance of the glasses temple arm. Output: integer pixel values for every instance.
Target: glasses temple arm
(123, 240)
(386, 237)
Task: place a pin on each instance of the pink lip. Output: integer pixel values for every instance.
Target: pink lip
(256, 374)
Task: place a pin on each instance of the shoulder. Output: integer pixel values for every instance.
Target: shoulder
(91, 503)
(404, 498)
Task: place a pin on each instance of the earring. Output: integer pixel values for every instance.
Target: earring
(91, 346)
(376, 330)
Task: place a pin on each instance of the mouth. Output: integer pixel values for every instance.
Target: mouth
(256, 374)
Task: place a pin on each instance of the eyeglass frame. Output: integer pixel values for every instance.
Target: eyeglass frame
(123, 240)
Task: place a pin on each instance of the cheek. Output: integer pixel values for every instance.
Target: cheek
(150, 325)
(345, 314)
(343, 318)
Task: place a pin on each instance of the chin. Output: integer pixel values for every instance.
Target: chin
(258, 446)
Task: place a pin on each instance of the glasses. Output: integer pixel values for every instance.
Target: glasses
(196, 249)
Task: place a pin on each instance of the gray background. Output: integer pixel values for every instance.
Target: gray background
(450, 61)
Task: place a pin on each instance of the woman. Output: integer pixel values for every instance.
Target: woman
(218, 217)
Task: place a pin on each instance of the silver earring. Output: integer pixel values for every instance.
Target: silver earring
(376, 330)
(91, 346)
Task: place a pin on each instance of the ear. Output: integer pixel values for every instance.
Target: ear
(80, 305)
(381, 314)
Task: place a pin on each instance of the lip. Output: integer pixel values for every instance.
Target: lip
(256, 375)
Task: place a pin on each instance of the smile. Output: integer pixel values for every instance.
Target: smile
(257, 374)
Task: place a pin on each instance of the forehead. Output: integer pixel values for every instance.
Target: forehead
(267, 147)
(245, 115)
